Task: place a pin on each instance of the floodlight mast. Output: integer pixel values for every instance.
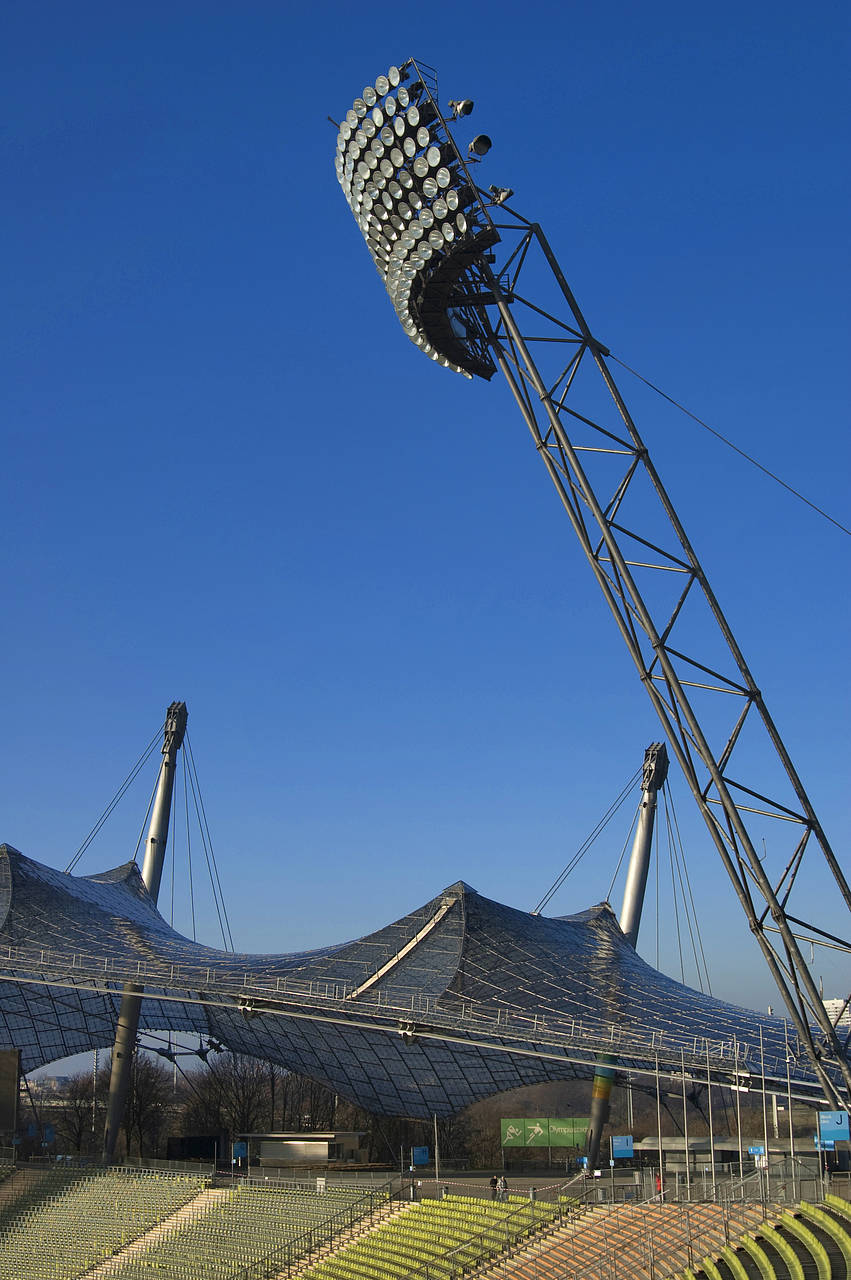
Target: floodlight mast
(431, 232)
(127, 1027)
(611, 546)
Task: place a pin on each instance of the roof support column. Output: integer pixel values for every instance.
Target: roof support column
(655, 773)
(127, 1026)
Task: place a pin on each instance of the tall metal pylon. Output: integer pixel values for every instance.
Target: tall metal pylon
(127, 1027)
(653, 776)
(731, 753)
(477, 286)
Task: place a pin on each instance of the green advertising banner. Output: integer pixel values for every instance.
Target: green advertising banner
(513, 1134)
(537, 1133)
(568, 1132)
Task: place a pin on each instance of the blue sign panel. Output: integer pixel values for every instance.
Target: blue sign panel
(240, 1150)
(756, 1151)
(622, 1147)
(826, 1144)
(419, 1155)
(833, 1124)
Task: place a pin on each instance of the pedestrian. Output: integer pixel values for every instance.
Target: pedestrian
(502, 1188)
(493, 1186)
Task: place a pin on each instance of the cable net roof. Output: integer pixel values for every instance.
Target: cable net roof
(458, 1000)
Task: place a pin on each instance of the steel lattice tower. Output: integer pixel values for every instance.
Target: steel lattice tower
(479, 289)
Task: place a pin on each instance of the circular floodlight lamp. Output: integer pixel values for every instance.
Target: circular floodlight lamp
(401, 176)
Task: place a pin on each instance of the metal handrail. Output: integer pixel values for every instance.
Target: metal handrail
(430, 1271)
(732, 1055)
(298, 1250)
(655, 1244)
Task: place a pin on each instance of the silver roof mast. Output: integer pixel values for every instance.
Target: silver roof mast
(655, 773)
(127, 1026)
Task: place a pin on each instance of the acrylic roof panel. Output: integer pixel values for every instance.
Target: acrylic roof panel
(460, 999)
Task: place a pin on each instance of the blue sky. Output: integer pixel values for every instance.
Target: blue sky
(230, 479)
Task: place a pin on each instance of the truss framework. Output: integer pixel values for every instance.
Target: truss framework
(597, 462)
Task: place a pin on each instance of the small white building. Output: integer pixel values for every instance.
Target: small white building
(336, 1147)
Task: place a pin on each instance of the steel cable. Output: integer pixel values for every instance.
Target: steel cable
(718, 435)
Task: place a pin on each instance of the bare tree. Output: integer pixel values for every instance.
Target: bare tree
(73, 1115)
(146, 1113)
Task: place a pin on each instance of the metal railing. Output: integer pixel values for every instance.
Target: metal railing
(499, 1237)
(295, 1255)
(590, 1034)
(619, 1243)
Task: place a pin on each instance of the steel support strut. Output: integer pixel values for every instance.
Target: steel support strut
(654, 774)
(127, 1026)
(665, 670)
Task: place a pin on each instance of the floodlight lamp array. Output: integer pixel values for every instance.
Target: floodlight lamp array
(420, 214)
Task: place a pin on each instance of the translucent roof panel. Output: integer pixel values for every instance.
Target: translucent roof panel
(458, 1000)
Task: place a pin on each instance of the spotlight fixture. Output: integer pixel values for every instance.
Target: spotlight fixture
(479, 147)
(501, 194)
(426, 227)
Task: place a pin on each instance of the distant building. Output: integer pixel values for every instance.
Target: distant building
(835, 1007)
(49, 1085)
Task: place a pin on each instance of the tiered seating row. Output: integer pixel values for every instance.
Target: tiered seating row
(57, 1226)
(811, 1240)
(447, 1236)
(241, 1232)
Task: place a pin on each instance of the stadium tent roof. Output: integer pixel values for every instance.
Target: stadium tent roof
(458, 1000)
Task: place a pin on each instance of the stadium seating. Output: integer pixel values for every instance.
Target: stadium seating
(244, 1230)
(809, 1242)
(55, 1225)
(59, 1224)
(447, 1236)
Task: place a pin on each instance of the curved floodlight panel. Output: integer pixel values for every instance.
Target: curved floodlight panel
(409, 189)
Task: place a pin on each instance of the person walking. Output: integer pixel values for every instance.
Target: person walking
(494, 1183)
(502, 1188)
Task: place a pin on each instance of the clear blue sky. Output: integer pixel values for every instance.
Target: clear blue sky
(229, 478)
